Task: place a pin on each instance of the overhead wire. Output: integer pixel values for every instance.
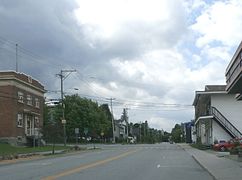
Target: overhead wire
(135, 104)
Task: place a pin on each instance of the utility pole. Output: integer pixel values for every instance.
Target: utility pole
(111, 103)
(140, 132)
(63, 76)
(16, 57)
(125, 114)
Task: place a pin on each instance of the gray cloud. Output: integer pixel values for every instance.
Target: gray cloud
(50, 38)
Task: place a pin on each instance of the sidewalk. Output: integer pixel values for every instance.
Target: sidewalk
(220, 168)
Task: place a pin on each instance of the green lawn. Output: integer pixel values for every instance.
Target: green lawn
(6, 149)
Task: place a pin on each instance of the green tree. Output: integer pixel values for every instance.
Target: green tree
(83, 113)
(176, 134)
(52, 128)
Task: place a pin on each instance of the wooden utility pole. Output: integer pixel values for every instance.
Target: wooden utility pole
(63, 76)
(113, 124)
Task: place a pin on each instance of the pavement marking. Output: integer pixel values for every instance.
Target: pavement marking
(47, 163)
(86, 166)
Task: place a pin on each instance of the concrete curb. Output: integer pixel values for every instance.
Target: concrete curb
(197, 161)
(214, 178)
(219, 167)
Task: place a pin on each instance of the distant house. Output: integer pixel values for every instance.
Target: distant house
(217, 115)
(21, 108)
(234, 74)
(121, 129)
(188, 131)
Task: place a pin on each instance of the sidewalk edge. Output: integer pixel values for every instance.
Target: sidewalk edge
(214, 178)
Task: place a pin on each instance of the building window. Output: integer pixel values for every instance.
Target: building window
(29, 100)
(20, 97)
(36, 121)
(20, 120)
(36, 102)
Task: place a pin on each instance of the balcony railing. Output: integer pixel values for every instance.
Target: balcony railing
(234, 71)
(225, 123)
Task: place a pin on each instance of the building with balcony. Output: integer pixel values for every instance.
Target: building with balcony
(234, 74)
(21, 108)
(217, 115)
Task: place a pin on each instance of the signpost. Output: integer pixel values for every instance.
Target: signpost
(102, 134)
(85, 131)
(77, 133)
(63, 121)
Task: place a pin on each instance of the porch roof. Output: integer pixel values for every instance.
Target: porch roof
(203, 117)
(205, 93)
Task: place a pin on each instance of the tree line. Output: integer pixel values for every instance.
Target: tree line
(92, 120)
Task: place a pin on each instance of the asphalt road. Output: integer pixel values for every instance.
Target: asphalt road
(113, 162)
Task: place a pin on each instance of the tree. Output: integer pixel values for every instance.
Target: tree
(52, 127)
(176, 134)
(83, 113)
(108, 130)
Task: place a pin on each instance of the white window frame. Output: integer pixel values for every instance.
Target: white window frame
(36, 121)
(37, 103)
(20, 97)
(20, 120)
(29, 100)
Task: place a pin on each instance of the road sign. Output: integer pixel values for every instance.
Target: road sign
(76, 130)
(63, 121)
(102, 133)
(85, 131)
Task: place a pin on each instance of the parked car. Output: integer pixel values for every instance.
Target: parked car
(227, 145)
(219, 146)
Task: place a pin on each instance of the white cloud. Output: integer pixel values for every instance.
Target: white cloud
(136, 24)
(220, 22)
(217, 53)
(162, 123)
(107, 15)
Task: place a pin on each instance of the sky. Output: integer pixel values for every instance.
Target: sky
(150, 56)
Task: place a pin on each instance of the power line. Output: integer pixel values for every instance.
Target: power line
(26, 54)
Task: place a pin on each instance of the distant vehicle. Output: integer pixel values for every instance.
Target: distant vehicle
(52, 103)
(227, 145)
(131, 140)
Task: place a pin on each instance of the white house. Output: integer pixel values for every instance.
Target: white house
(218, 115)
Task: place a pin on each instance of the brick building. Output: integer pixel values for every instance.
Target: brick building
(21, 108)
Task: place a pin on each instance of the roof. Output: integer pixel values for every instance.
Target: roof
(23, 78)
(234, 57)
(209, 89)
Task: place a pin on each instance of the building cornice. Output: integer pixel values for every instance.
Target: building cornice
(14, 78)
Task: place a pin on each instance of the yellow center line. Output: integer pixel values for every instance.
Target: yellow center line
(86, 166)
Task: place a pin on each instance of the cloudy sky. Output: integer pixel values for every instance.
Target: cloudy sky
(150, 55)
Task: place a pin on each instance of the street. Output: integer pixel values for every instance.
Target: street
(116, 162)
